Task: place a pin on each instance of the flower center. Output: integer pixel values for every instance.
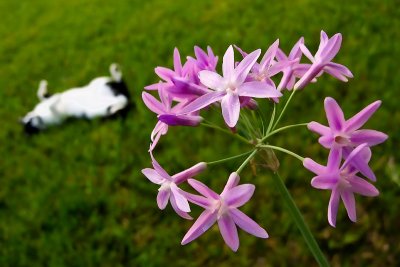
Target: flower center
(342, 140)
(221, 207)
(344, 179)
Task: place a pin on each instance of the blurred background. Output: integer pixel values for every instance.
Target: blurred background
(74, 195)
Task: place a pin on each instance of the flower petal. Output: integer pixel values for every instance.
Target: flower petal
(230, 109)
(198, 200)
(318, 128)
(158, 168)
(361, 117)
(244, 67)
(164, 73)
(189, 173)
(181, 213)
(258, 90)
(247, 224)
(162, 198)
(180, 120)
(228, 63)
(211, 79)
(314, 167)
(153, 176)
(203, 101)
(325, 181)
(371, 137)
(334, 114)
(334, 159)
(359, 162)
(362, 187)
(202, 224)
(181, 201)
(333, 207)
(239, 195)
(233, 181)
(177, 62)
(152, 103)
(350, 204)
(203, 189)
(229, 232)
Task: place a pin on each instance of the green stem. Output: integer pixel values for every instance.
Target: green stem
(271, 121)
(282, 129)
(241, 138)
(230, 158)
(300, 223)
(247, 161)
(284, 150)
(284, 109)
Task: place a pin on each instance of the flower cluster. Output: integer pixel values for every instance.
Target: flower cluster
(195, 85)
(345, 140)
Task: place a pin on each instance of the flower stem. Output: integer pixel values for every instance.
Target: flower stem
(238, 136)
(271, 120)
(247, 160)
(284, 109)
(282, 129)
(284, 150)
(230, 158)
(301, 224)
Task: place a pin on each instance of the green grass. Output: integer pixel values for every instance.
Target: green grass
(74, 195)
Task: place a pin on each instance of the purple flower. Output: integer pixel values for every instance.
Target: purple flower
(223, 208)
(230, 87)
(167, 115)
(343, 181)
(168, 186)
(346, 134)
(290, 66)
(182, 82)
(327, 50)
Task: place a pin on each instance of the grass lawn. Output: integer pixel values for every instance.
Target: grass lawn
(75, 196)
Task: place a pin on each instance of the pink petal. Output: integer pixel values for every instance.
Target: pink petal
(229, 232)
(203, 101)
(177, 210)
(353, 155)
(350, 204)
(152, 103)
(210, 79)
(180, 120)
(228, 63)
(334, 114)
(359, 162)
(269, 55)
(181, 201)
(198, 200)
(247, 224)
(189, 173)
(203, 189)
(296, 51)
(333, 207)
(371, 137)
(325, 181)
(258, 90)
(362, 117)
(202, 224)
(326, 140)
(153, 176)
(233, 181)
(334, 159)
(306, 52)
(244, 67)
(332, 48)
(362, 187)
(177, 62)
(164, 73)
(319, 128)
(230, 109)
(158, 167)
(162, 198)
(239, 195)
(314, 167)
